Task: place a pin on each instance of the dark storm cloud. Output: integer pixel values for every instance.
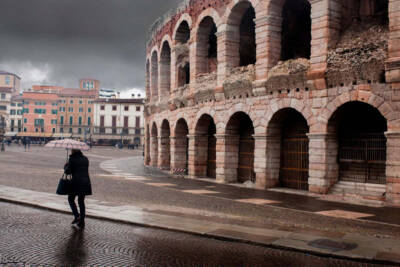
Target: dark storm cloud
(60, 41)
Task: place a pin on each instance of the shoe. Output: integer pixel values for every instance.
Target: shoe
(79, 225)
(75, 221)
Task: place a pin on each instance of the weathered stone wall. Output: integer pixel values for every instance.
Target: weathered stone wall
(316, 87)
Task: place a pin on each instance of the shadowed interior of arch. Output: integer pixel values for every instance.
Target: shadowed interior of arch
(165, 147)
(205, 145)
(181, 149)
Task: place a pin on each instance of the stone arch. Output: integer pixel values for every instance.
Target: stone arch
(180, 154)
(367, 97)
(154, 76)
(182, 34)
(206, 46)
(154, 145)
(240, 34)
(181, 38)
(287, 149)
(165, 147)
(239, 148)
(165, 70)
(205, 144)
(184, 17)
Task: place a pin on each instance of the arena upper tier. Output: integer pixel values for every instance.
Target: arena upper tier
(298, 94)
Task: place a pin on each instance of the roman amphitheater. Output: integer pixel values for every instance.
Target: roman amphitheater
(297, 94)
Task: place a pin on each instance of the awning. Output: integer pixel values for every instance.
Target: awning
(62, 135)
(10, 134)
(41, 135)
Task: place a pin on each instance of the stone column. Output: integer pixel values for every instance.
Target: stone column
(273, 160)
(393, 61)
(393, 167)
(147, 151)
(222, 62)
(164, 155)
(325, 15)
(198, 153)
(227, 158)
(173, 71)
(323, 166)
(153, 151)
(260, 160)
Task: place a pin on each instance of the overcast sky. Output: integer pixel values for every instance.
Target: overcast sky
(57, 42)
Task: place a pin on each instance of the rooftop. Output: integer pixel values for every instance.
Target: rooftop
(2, 72)
(120, 101)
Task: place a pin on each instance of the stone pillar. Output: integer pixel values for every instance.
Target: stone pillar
(393, 61)
(325, 16)
(164, 155)
(198, 166)
(393, 167)
(262, 24)
(323, 166)
(153, 151)
(260, 160)
(173, 71)
(227, 158)
(222, 62)
(147, 151)
(178, 152)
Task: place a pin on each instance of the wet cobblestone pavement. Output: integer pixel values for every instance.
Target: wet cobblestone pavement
(33, 237)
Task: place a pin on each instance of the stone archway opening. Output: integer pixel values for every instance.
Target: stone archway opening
(154, 146)
(296, 30)
(165, 69)
(239, 148)
(359, 133)
(241, 38)
(182, 54)
(154, 76)
(205, 147)
(148, 79)
(165, 147)
(206, 46)
(181, 151)
(147, 147)
(288, 149)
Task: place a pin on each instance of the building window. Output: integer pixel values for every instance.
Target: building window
(80, 109)
(25, 130)
(89, 110)
(19, 104)
(54, 130)
(25, 110)
(61, 130)
(13, 104)
(71, 101)
(114, 108)
(70, 130)
(3, 96)
(79, 130)
(36, 130)
(25, 120)
(8, 80)
(3, 107)
(80, 102)
(80, 120)
(102, 107)
(39, 122)
(19, 112)
(89, 121)
(70, 109)
(12, 112)
(62, 120)
(126, 108)
(71, 120)
(54, 111)
(138, 108)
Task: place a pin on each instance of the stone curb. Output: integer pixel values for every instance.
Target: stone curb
(283, 242)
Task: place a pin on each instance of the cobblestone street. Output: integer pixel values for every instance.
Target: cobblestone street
(32, 237)
(119, 179)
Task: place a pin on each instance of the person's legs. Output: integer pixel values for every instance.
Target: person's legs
(71, 201)
(81, 202)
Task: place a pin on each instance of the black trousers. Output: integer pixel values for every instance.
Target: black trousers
(81, 203)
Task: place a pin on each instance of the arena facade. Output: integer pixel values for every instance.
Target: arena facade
(300, 94)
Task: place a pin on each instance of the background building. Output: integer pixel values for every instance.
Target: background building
(9, 87)
(119, 120)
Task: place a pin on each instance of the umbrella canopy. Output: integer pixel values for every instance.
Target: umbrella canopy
(67, 144)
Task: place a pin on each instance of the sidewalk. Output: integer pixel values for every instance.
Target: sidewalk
(351, 246)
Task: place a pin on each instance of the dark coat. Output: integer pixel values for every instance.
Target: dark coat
(78, 167)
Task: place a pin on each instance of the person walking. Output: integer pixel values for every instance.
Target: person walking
(78, 167)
